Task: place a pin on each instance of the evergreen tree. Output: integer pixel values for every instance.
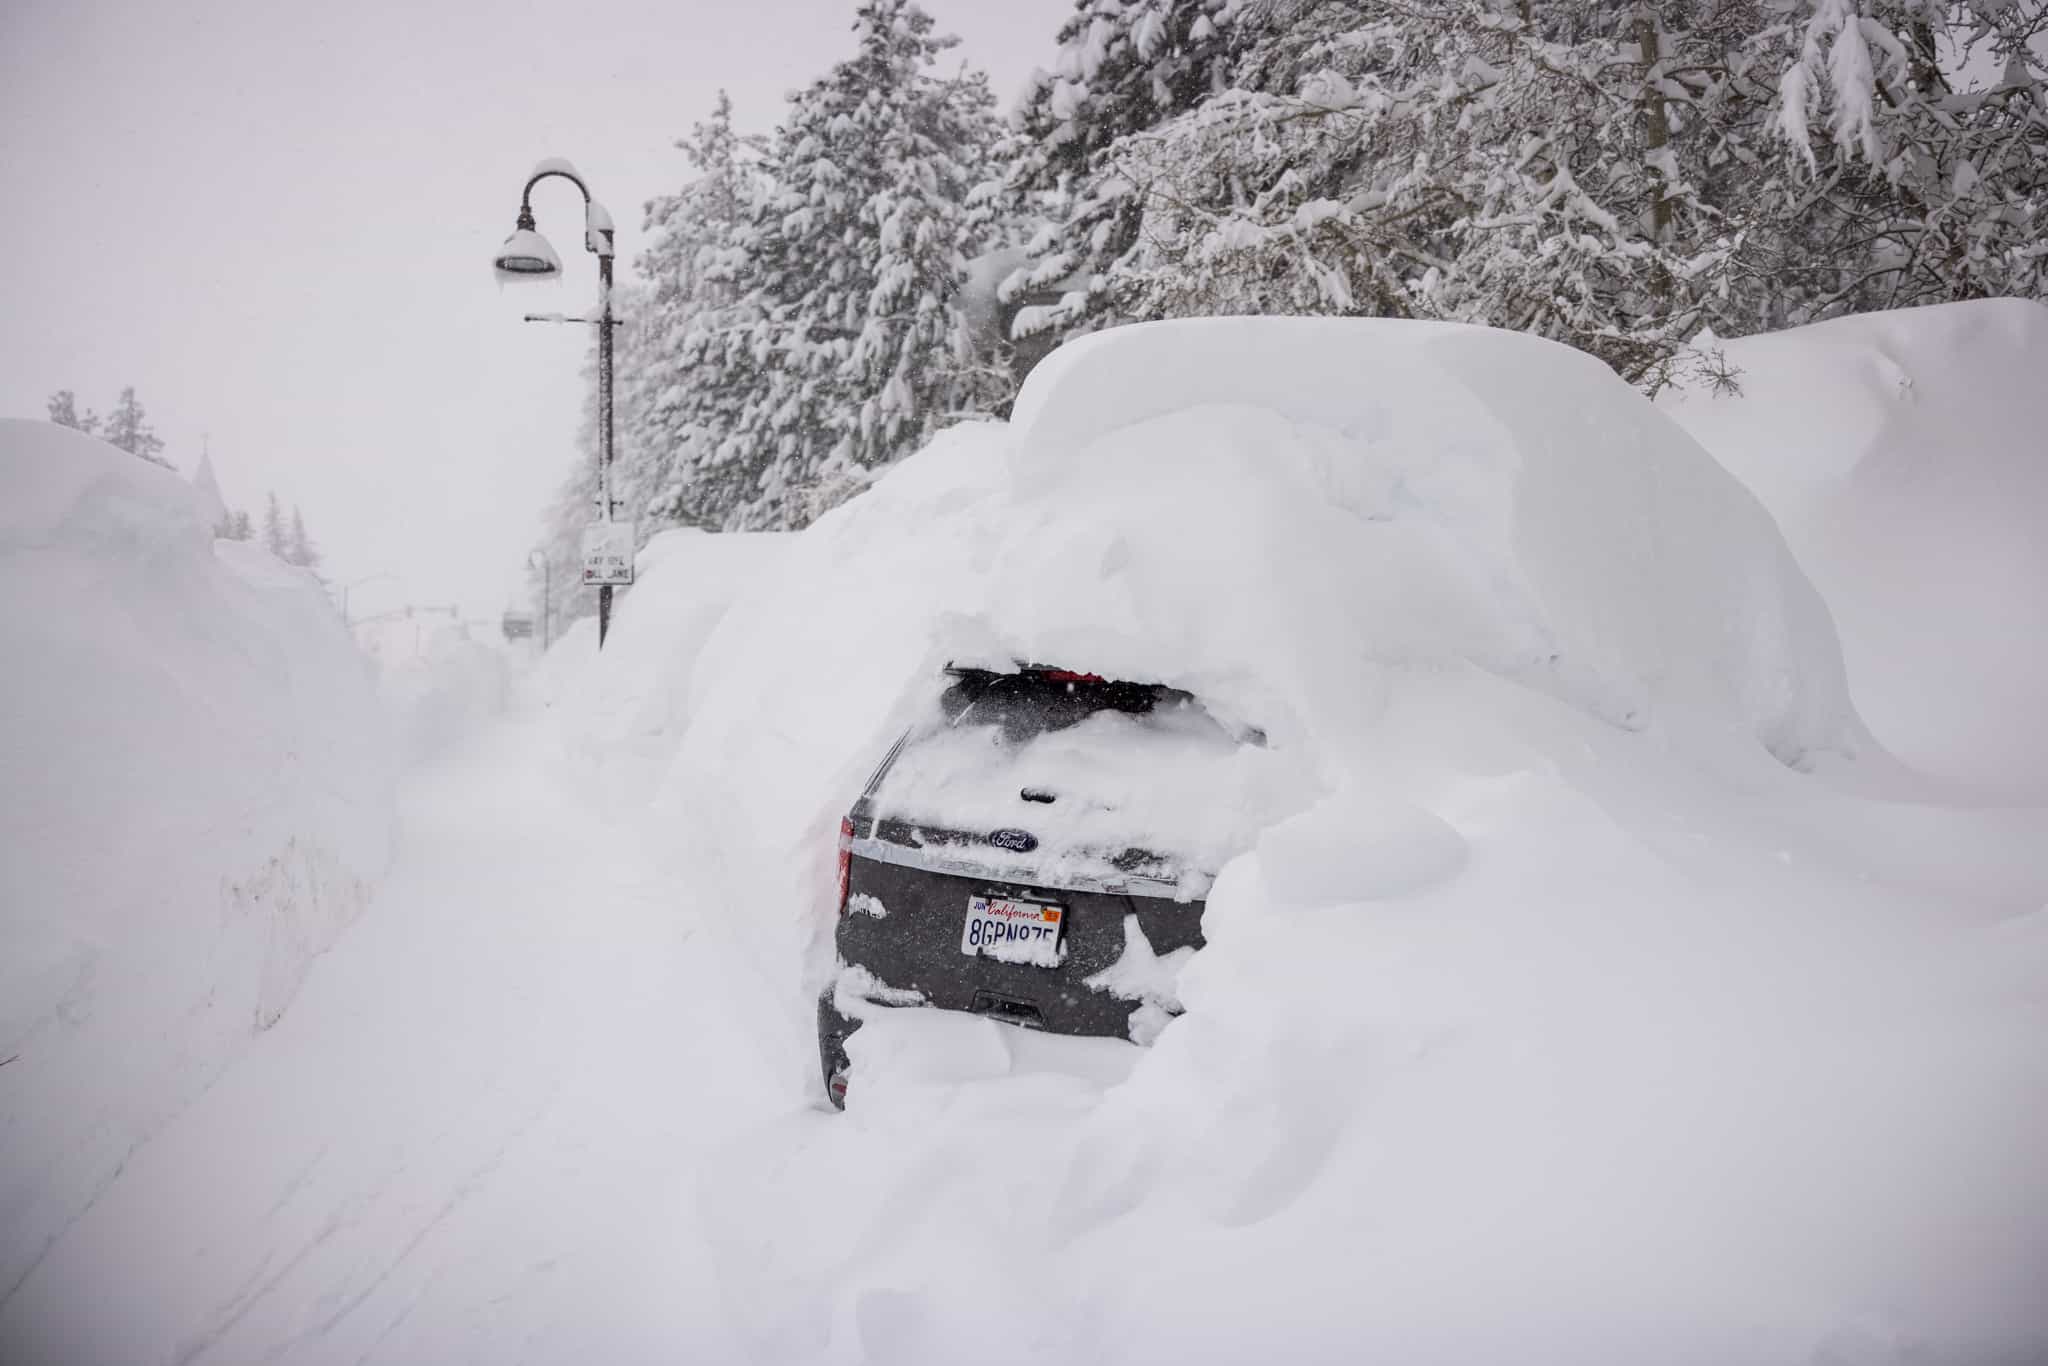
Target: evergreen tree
(1616, 175)
(128, 428)
(845, 347)
(63, 408)
(1122, 68)
(275, 539)
(690, 301)
(1466, 160)
(299, 548)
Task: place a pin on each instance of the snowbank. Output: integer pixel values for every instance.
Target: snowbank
(197, 803)
(1905, 455)
(1369, 506)
(1425, 495)
(1599, 993)
(620, 712)
(1591, 1007)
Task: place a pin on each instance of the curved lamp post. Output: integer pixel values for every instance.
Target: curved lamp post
(526, 255)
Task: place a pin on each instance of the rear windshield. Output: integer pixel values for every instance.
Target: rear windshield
(1091, 768)
(1028, 705)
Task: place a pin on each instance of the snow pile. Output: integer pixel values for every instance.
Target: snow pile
(1370, 505)
(197, 804)
(619, 713)
(1623, 1006)
(1904, 456)
(1608, 997)
(1421, 494)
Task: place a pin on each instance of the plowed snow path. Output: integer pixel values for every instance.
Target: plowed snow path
(477, 1135)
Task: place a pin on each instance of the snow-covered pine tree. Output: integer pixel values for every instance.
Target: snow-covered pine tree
(684, 386)
(63, 406)
(913, 357)
(128, 428)
(299, 548)
(1124, 67)
(851, 343)
(275, 538)
(1307, 185)
(1517, 164)
(1617, 174)
(1585, 176)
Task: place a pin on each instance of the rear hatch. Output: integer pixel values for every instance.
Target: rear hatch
(1011, 847)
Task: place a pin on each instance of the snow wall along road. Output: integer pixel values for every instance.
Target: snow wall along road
(197, 802)
(1609, 994)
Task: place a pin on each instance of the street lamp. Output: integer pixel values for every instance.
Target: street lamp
(526, 255)
(547, 592)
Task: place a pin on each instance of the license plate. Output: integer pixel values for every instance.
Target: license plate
(1012, 931)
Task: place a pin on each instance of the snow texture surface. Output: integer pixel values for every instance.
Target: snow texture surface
(1601, 991)
(1612, 996)
(1905, 455)
(197, 804)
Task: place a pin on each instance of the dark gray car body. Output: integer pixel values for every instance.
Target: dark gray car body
(921, 876)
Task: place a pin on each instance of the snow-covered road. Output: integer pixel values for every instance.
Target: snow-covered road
(476, 1136)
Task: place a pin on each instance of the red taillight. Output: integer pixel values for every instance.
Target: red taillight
(1069, 676)
(845, 859)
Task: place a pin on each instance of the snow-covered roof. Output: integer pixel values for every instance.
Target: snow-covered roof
(208, 488)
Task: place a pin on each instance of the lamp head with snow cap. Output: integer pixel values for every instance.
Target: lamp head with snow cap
(526, 255)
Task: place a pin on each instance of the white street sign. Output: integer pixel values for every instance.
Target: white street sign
(608, 553)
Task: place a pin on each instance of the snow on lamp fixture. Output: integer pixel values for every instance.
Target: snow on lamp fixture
(526, 255)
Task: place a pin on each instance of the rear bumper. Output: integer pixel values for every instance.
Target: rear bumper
(906, 944)
(908, 938)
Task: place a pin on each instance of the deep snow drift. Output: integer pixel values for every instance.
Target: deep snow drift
(619, 717)
(1371, 510)
(1905, 455)
(1602, 994)
(196, 804)
(1611, 997)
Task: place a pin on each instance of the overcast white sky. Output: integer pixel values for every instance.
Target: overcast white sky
(275, 218)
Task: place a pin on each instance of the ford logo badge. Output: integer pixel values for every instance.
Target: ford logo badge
(1017, 841)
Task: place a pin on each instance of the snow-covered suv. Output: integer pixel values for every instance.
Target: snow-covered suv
(1036, 851)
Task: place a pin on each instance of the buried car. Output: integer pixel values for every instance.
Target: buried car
(1037, 850)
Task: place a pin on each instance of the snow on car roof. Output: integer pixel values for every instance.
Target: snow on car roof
(1324, 498)
(1168, 780)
